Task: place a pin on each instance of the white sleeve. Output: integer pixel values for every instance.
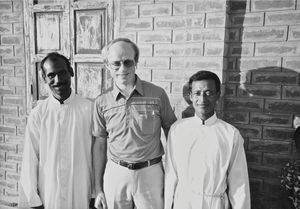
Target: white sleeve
(238, 181)
(28, 192)
(171, 178)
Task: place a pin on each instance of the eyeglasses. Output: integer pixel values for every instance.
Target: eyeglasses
(207, 93)
(117, 64)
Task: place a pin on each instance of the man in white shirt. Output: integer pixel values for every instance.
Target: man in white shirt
(205, 160)
(56, 169)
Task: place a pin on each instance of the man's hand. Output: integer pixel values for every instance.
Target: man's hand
(100, 201)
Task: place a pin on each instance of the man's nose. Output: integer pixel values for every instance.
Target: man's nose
(57, 78)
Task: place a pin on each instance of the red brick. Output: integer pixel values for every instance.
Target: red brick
(178, 88)
(14, 81)
(19, 50)
(282, 18)
(14, 121)
(7, 71)
(291, 92)
(178, 49)
(294, 33)
(270, 146)
(14, 139)
(238, 77)
(196, 35)
(15, 100)
(244, 104)
(156, 10)
(154, 37)
(145, 50)
(2, 156)
(6, 50)
(2, 175)
(5, 28)
(20, 131)
(292, 63)
(260, 91)
(263, 171)
(255, 34)
(205, 6)
(18, 28)
(229, 90)
(136, 24)
(244, 49)
(172, 75)
(137, 1)
(214, 49)
(11, 17)
(256, 185)
(234, 34)
(5, 110)
(254, 157)
(5, 6)
(266, 5)
(275, 159)
(200, 63)
(248, 63)
(11, 39)
(179, 8)
(250, 131)
(277, 133)
(129, 35)
(236, 117)
(278, 49)
(12, 176)
(195, 21)
(165, 85)
(270, 119)
(286, 106)
(13, 60)
(7, 129)
(8, 166)
(154, 62)
(215, 20)
(17, 6)
(272, 187)
(7, 90)
(249, 19)
(129, 11)
(19, 71)
(290, 78)
(20, 91)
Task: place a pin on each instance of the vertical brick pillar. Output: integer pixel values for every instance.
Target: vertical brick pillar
(12, 99)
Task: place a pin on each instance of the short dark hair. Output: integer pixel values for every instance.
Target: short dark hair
(134, 46)
(205, 75)
(53, 56)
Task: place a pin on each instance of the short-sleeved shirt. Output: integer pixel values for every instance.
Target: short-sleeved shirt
(132, 127)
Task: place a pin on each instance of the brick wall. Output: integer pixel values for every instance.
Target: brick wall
(262, 93)
(12, 99)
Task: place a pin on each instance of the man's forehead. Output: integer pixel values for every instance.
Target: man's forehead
(121, 49)
(55, 63)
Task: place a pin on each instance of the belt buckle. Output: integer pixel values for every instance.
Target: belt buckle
(130, 165)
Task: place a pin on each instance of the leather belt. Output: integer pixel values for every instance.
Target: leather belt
(139, 165)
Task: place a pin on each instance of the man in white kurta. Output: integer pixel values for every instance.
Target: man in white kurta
(205, 160)
(56, 171)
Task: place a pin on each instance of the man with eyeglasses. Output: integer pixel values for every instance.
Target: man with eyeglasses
(205, 159)
(127, 125)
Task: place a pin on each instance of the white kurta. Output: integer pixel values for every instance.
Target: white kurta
(205, 166)
(56, 169)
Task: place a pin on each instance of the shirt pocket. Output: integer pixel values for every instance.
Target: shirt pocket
(148, 120)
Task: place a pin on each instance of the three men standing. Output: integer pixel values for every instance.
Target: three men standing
(127, 126)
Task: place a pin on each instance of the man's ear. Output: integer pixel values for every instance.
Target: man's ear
(71, 71)
(42, 75)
